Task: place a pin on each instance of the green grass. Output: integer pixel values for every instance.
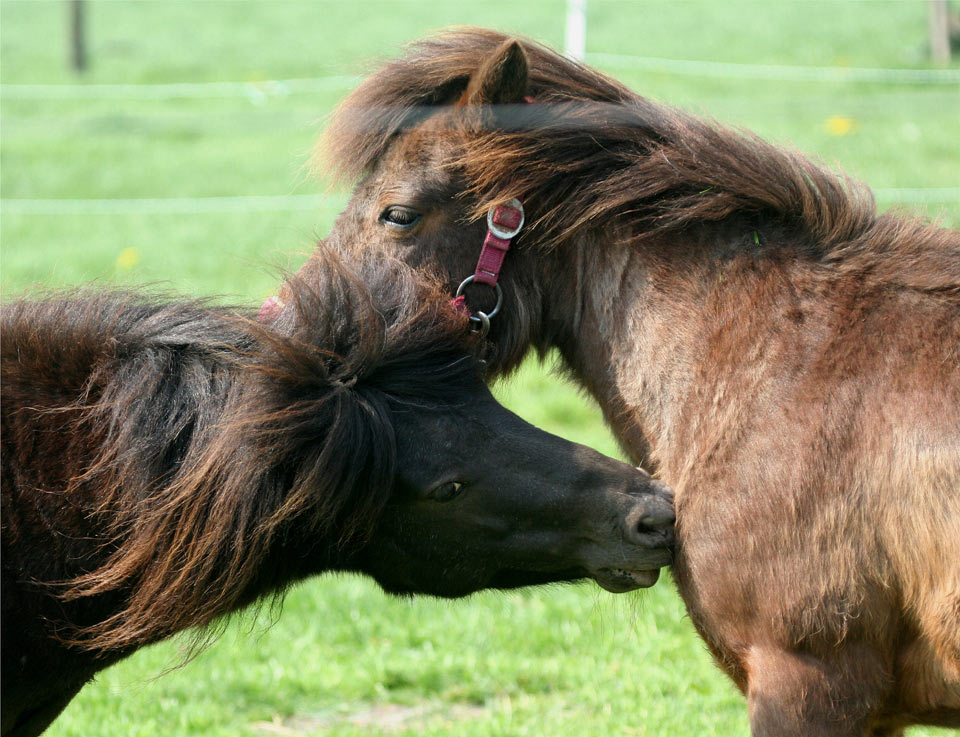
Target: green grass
(560, 660)
(564, 660)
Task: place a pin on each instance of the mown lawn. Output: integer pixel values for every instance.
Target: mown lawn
(343, 659)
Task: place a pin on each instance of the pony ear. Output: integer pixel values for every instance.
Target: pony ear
(501, 79)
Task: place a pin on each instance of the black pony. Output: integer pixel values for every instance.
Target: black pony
(166, 464)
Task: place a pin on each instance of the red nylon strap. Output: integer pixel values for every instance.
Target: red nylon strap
(270, 309)
(491, 259)
(495, 248)
(460, 304)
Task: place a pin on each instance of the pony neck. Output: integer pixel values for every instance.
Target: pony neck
(643, 318)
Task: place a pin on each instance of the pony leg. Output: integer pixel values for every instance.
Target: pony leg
(793, 694)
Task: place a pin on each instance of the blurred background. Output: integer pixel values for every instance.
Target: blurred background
(165, 143)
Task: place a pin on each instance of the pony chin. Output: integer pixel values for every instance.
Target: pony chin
(457, 587)
(619, 580)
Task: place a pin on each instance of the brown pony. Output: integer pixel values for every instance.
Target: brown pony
(787, 358)
(166, 464)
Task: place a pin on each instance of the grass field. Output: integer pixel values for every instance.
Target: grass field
(343, 659)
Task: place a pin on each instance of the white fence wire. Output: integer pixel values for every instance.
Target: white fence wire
(178, 90)
(282, 87)
(163, 205)
(783, 73)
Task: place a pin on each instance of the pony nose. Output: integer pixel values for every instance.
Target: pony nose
(650, 521)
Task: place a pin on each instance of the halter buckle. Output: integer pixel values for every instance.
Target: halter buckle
(496, 228)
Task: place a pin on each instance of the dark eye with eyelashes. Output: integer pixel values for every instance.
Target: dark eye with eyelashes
(399, 216)
(446, 492)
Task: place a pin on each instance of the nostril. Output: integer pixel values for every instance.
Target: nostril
(650, 522)
(645, 528)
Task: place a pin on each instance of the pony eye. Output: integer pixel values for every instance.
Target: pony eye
(399, 216)
(446, 492)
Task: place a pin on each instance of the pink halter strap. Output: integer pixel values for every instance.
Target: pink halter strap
(503, 224)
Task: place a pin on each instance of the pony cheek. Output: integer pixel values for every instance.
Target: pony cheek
(450, 258)
(402, 569)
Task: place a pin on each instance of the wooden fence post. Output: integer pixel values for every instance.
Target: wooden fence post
(78, 50)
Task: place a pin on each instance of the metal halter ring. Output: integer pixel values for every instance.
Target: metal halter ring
(496, 288)
(484, 323)
(500, 232)
(480, 316)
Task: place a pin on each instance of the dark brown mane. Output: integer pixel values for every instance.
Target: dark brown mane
(218, 433)
(589, 153)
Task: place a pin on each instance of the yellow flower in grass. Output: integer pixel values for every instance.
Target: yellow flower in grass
(128, 258)
(839, 125)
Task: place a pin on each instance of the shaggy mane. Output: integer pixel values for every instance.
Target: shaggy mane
(216, 433)
(590, 153)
